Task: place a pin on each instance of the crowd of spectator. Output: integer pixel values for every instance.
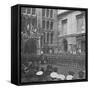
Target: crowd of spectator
(33, 72)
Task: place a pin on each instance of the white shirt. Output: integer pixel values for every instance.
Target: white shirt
(69, 77)
(54, 75)
(61, 76)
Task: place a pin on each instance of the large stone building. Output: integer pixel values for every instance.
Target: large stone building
(41, 24)
(71, 28)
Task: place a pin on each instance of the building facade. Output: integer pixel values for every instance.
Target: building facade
(71, 28)
(41, 25)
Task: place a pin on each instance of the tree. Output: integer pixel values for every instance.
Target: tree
(30, 46)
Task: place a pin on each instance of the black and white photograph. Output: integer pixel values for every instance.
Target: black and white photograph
(53, 44)
(44, 44)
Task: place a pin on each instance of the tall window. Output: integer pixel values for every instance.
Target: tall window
(44, 36)
(43, 12)
(80, 22)
(47, 24)
(28, 10)
(51, 13)
(23, 23)
(47, 37)
(47, 14)
(51, 25)
(23, 10)
(43, 24)
(34, 22)
(64, 26)
(51, 37)
(33, 11)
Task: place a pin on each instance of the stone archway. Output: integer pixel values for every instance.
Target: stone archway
(65, 45)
